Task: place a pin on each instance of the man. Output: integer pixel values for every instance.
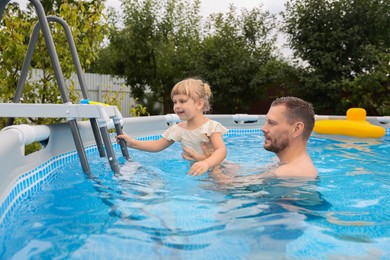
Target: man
(288, 126)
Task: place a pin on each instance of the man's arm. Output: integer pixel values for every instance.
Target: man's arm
(190, 155)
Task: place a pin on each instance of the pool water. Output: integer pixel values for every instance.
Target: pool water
(155, 210)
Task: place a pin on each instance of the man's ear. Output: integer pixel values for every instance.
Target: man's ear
(298, 129)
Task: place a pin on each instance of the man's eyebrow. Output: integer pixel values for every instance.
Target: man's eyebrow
(272, 121)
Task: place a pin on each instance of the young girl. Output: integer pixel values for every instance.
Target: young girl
(191, 99)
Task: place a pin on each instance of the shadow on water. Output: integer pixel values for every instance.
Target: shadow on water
(276, 211)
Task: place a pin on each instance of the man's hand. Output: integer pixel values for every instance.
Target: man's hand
(194, 156)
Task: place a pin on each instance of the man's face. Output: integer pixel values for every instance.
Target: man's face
(277, 131)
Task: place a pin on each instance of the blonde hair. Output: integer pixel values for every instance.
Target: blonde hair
(195, 89)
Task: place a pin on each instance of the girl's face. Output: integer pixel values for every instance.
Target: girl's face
(185, 107)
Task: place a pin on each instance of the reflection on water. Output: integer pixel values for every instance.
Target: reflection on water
(352, 147)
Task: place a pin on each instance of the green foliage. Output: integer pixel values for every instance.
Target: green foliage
(234, 55)
(114, 98)
(36, 146)
(345, 44)
(139, 110)
(88, 27)
(146, 51)
(163, 42)
(370, 90)
(15, 30)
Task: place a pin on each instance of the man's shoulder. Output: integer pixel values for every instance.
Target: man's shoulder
(296, 170)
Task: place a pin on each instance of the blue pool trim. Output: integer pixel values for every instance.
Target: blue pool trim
(34, 180)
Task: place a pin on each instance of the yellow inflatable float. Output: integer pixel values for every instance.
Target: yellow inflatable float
(355, 125)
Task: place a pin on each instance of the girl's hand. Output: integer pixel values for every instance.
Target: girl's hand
(125, 138)
(198, 168)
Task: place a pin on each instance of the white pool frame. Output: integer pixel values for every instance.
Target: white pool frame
(20, 174)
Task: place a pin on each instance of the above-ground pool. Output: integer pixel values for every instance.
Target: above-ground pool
(153, 209)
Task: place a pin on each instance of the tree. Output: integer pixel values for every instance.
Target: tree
(13, 46)
(342, 42)
(163, 42)
(87, 25)
(234, 57)
(155, 48)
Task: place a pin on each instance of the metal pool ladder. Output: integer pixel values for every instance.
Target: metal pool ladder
(98, 115)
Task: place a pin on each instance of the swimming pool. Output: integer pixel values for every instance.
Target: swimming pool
(154, 210)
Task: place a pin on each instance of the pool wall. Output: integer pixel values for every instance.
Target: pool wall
(21, 175)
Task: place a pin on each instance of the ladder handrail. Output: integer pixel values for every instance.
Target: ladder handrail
(76, 61)
(43, 25)
(58, 75)
(30, 51)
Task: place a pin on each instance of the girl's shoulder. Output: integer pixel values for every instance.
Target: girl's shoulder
(211, 126)
(173, 133)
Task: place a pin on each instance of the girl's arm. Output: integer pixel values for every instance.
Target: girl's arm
(214, 159)
(148, 146)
